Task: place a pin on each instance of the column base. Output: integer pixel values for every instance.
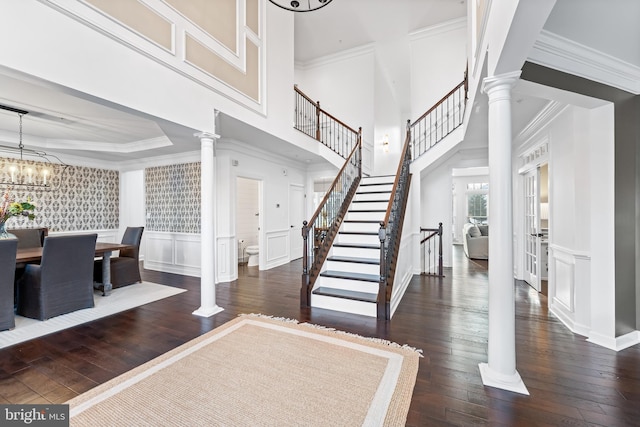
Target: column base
(208, 311)
(492, 378)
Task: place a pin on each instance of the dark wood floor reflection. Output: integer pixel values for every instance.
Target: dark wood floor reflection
(571, 381)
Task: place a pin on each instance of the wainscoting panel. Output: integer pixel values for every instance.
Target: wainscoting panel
(404, 268)
(570, 287)
(173, 253)
(564, 279)
(227, 269)
(277, 251)
(187, 251)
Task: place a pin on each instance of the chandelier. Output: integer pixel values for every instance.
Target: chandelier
(29, 168)
(301, 5)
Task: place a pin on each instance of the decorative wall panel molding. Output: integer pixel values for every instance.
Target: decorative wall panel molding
(173, 198)
(86, 199)
(218, 44)
(177, 253)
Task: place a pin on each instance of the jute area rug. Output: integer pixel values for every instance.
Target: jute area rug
(259, 371)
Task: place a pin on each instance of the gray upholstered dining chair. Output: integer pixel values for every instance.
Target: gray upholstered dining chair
(63, 282)
(8, 249)
(29, 237)
(125, 268)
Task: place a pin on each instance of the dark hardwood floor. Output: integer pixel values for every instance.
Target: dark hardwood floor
(571, 381)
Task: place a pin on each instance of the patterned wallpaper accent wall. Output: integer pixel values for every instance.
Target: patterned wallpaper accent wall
(173, 198)
(86, 199)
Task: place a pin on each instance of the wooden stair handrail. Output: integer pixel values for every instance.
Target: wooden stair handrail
(335, 180)
(317, 104)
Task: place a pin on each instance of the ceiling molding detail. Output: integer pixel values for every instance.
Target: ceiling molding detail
(452, 25)
(554, 51)
(355, 52)
(129, 147)
(527, 136)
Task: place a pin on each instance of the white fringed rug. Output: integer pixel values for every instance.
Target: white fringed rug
(120, 299)
(257, 371)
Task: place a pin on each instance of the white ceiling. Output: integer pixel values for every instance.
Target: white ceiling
(69, 123)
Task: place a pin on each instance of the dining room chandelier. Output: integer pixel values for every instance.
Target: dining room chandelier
(301, 5)
(29, 168)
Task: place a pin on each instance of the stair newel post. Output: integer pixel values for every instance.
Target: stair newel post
(304, 290)
(440, 250)
(360, 152)
(382, 287)
(318, 120)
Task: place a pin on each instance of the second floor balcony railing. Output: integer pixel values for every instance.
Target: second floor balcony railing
(322, 126)
(440, 120)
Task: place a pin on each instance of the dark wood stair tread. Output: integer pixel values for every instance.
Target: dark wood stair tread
(360, 233)
(348, 275)
(355, 260)
(356, 245)
(362, 221)
(374, 192)
(367, 210)
(342, 293)
(371, 201)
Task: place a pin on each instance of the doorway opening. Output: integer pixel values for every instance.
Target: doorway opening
(248, 220)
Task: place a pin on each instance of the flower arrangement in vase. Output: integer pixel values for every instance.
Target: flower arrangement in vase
(10, 208)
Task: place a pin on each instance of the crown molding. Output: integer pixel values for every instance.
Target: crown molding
(110, 147)
(355, 52)
(554, 51)
(444, 27)
(547, 115)
(165, 160)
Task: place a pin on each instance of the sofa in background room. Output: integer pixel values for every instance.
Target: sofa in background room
(476, 241)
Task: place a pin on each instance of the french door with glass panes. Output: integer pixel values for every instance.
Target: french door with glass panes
(532, 235)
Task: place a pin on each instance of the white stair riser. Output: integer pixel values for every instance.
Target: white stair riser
(344, 305)
(366, 216)
(377, 179)
(353, 267)
(374, 189)
(372, 196)
(369, 206)
(359, 252)
(358, 239)
(348, 285)
(367, 227)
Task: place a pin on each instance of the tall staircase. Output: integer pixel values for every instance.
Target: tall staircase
(352, 244)
(350, 276)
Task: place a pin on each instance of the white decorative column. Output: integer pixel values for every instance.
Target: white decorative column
(500, 371)
(208, 305)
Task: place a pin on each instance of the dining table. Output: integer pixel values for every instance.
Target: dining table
(103, 249)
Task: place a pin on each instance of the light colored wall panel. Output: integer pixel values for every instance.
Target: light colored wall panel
(140, 18)
(216, 17)
(187, 251)
(246, 81)
(159, 249)
(564, 279)
(253, 15)
(277, 250)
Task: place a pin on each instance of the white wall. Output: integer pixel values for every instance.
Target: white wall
(436, 206)
(438, 62)
(344, 85)
(581, 211)
(275, 175)
(132, 204)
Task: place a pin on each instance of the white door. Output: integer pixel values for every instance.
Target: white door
(296, 216)
(532, 228)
